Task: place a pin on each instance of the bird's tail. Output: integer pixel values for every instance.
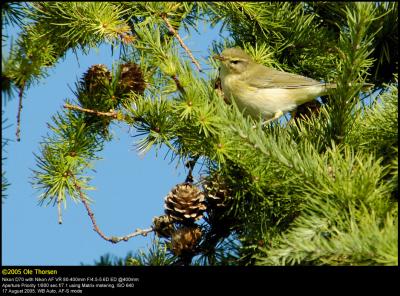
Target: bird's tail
(365, 87)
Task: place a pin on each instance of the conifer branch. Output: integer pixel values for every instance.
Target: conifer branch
(178, 37)
(20, 95)
(112, 114)
(112, 239)
(178, 84)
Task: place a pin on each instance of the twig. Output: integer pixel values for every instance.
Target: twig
(175, 33)
(59, 211)
(178, 84)
(20, 94)
(112, 114)
(190, 165)
(112, 239)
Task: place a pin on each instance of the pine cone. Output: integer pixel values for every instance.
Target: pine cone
(131, 79)
(96, 77)
(306, 110)
(216, 192)
(163, 226)
(93, 95)
(185, 202)
(185, 239)
(93, 89)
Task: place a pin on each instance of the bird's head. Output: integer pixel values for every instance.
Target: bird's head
(234, 60)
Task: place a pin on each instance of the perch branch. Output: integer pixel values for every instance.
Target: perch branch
(175, 33)
(112, 239)
(112, 114)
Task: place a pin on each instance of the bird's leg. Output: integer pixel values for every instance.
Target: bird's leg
(276, 116)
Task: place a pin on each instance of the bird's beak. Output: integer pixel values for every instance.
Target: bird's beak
(218, 57)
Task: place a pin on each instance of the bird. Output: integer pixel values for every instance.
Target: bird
(264, 92)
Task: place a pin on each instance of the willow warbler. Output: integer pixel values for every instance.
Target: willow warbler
(263, 91)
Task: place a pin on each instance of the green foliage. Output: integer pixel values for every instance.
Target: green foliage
(155, 255)
(376, 130)
(354, 46)
(352, 240)
(318, 190)
(224, 253)
(111, 260)
(83, 24)
(386, 42)
(65, 155)
(12, 13)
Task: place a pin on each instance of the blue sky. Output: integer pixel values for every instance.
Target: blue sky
(130, 188)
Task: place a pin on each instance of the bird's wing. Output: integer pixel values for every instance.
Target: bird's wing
(271, 78)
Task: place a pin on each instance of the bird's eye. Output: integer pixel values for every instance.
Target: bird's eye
(235, 62)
